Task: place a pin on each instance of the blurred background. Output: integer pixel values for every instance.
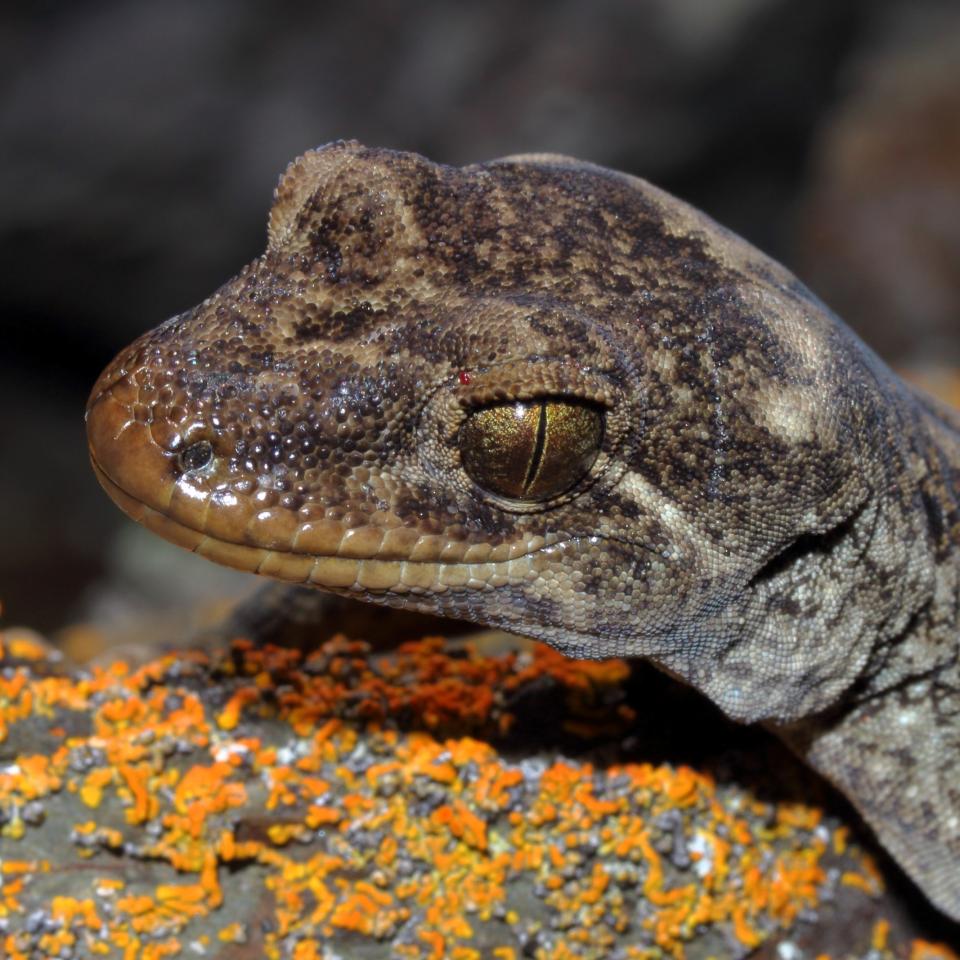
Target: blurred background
(141, 142)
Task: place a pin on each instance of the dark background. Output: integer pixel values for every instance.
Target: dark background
(140, 142)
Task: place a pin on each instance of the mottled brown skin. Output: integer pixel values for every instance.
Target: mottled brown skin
(771, 516)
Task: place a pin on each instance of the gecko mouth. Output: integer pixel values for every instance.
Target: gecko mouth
(366, 575)
(131, 452)
(127, 461)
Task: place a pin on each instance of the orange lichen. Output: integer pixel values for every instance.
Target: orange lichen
(881, 933)
(862, 881)
(369, 796)
(922, 950)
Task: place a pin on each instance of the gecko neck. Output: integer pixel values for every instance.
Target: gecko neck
(936, 467)
(942, 433)
(906, 701)
(921, 508)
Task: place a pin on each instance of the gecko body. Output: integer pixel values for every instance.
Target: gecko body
(549, 397)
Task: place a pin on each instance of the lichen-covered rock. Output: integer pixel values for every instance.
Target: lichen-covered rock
(430, 802)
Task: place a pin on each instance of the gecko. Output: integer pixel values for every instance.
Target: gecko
(545, 396)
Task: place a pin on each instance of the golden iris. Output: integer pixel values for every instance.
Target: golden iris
(531, 450)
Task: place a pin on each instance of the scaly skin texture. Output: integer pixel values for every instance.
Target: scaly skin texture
(772, 516)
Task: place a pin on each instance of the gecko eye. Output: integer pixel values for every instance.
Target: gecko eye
(531, 450)
(196, 456)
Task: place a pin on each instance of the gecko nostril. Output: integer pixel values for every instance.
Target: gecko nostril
(196, 456)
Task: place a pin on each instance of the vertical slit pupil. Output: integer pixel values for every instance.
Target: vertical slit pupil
(537, 455)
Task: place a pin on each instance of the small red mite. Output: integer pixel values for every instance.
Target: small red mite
(464, 377)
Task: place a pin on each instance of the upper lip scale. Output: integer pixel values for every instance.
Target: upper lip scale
(293, 553)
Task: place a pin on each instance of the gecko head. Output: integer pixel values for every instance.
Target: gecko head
(355, 412)
(474, 391)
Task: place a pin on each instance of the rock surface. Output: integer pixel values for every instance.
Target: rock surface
(434, 800)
